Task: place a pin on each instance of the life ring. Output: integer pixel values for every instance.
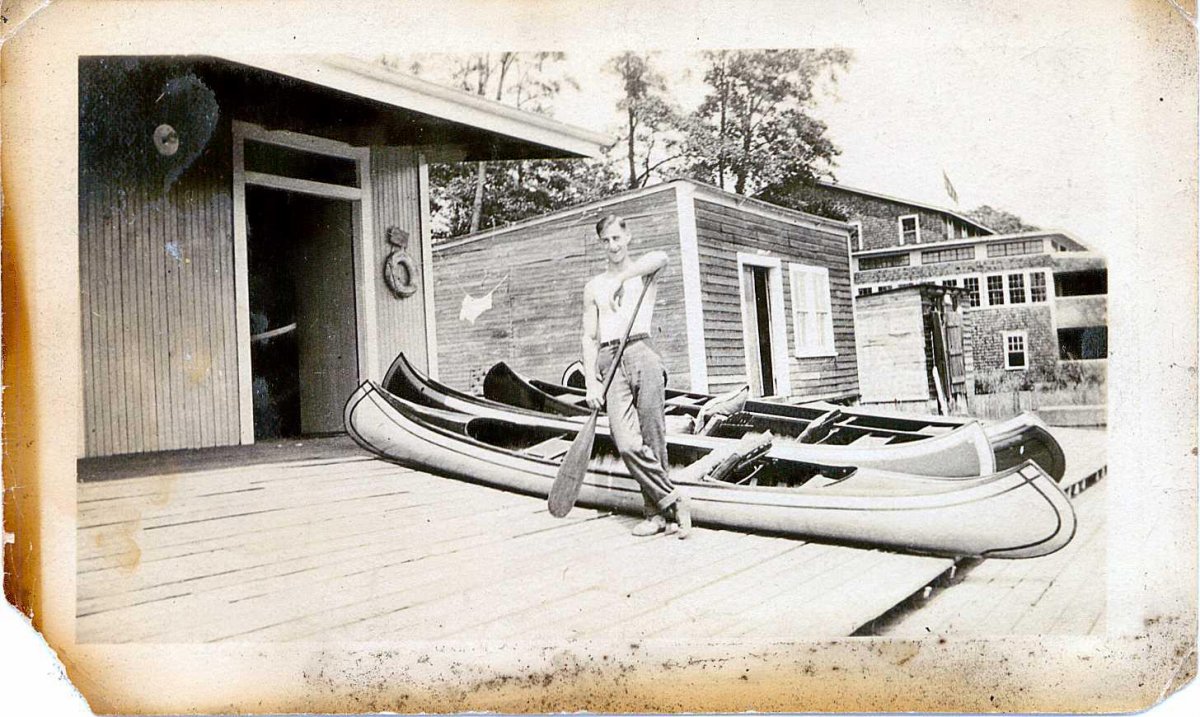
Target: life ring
(398, 265)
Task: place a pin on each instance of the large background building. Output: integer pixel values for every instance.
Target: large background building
(1038, 299)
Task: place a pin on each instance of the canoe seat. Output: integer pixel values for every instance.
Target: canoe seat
(869, 441)
(819, 428)
(712, 425)
(821, 481)
(679, 424)
(550, 448)
(684, 401)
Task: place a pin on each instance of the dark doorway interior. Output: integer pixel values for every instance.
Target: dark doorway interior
(759, 355)
(303, 347)
(762, 309)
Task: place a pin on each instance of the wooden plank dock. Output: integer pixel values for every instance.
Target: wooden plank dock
(1060, 594)
(340, 546)
(246, 545)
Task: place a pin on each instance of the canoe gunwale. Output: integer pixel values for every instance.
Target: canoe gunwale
(963, 452)
(710, 496)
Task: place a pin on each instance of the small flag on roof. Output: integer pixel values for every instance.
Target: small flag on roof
(949, 187)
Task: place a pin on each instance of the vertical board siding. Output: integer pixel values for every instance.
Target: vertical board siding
(156, 290)
(892, 348)
(721, 232)
(395, 198)
(538, 273)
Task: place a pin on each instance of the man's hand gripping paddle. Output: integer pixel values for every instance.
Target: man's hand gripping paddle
(570, 476)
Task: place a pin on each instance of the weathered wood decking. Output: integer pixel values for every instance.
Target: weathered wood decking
(338, 546)
(1059, 594)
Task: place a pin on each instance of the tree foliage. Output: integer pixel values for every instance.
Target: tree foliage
(753, 133)
(651, 118)
(999, 220)
(515, 191)
(754, 128)
(467, 197)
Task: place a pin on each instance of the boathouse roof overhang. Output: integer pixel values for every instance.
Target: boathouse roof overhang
(364, 103)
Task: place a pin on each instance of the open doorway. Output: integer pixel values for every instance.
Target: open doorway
(764, 331)
(303, 327)
(759, 350)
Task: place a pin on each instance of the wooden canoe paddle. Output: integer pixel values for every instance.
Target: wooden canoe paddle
(571, 472)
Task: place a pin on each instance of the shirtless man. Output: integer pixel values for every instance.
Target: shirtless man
(635, 399)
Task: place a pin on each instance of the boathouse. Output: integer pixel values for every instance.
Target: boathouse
(254, 237)
(753, 293)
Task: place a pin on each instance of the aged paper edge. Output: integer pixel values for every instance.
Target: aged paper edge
(1150, 646)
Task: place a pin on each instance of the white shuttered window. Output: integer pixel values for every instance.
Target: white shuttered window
(812, 314)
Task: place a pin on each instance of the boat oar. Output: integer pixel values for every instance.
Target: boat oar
(571, 472)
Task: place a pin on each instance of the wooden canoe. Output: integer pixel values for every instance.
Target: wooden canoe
(1016, 513)
(960, 452)
(1013, 441)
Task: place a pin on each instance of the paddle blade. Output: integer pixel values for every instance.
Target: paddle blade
(569, 480)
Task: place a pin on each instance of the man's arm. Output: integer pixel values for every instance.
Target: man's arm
(648, 263)
(591, 347)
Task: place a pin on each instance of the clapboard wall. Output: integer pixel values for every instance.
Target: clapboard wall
(395, 200)
(159, 349)
(722, 231)
(538, 270)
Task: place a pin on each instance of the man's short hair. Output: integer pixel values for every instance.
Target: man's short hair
(608, 221)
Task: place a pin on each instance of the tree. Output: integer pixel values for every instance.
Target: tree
(650, 117)
(524, 80)
(999, 220)
(753, 129)
(516, 190)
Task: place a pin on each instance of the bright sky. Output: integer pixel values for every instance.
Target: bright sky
(1047, 109)
(1037, 148)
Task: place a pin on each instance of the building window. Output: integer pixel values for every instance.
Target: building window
(971, 284)
(1090, 342)
(812, 315)
(910, 229)
(1037, 287)
(1016, 288)
(1081, 283)
(885, 261)
(949, 282)
(995, 288)
(866, 290)
(856, 237)
(1014, 350)
(1015, 248)
(942, 256)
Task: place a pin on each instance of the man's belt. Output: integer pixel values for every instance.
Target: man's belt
(616, 342)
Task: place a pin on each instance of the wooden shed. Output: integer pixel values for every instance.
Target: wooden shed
(753, 293)
(914, 348)
(237, 221)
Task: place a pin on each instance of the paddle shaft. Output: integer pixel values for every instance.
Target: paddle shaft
(565, 489)
(624, 340)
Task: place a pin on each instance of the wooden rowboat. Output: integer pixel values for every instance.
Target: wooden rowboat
(1016, 513)
(960, 452)
(1013, 441)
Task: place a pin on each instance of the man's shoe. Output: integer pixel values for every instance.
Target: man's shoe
(650, 526)
(683, 514)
